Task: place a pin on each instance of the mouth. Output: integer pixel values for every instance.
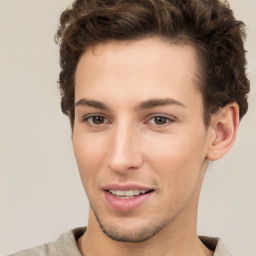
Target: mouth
(127, 198)
(128, 194)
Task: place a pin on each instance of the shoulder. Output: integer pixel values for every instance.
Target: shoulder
(43, 250)
(65, 245)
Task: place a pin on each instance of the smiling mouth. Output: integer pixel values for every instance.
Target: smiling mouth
(128, 194)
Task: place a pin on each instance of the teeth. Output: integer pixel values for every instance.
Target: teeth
(120, 193)
(136, 192)
(127, 193)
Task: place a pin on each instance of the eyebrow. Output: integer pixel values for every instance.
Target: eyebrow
(152, 103)
(91, 103)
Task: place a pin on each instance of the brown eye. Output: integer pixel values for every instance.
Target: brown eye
(96, 120)
(160, 120)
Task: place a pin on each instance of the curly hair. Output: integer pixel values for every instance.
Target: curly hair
(208, 25)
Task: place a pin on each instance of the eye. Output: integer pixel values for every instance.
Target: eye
(160, 120)
(95, 120)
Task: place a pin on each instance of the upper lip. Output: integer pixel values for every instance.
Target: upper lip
(125, 187)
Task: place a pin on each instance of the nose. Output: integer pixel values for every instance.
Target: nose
(124, 151)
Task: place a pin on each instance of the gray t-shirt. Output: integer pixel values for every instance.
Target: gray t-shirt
(66, 245)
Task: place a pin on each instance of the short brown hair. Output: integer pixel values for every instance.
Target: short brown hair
(208, 25)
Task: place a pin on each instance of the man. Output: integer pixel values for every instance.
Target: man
(154, 91)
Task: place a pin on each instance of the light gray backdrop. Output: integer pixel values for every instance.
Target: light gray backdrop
(40, 191)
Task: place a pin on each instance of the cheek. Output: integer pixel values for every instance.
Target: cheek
(171, 151)
(177, 160)
(89, 156)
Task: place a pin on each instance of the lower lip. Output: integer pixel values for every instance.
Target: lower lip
(126, 204)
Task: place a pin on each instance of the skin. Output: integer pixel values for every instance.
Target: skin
(126, 86)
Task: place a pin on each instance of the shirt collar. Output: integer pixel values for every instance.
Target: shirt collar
(67, 244)
(215, 244)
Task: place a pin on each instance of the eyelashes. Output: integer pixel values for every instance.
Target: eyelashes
(98, 120)
(160, 120)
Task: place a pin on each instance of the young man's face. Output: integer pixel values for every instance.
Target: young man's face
(139, 137)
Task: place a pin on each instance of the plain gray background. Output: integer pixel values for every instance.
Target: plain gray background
(40, 191)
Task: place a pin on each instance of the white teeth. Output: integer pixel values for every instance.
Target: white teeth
(120, 193)
(136, 192)
(127, 193)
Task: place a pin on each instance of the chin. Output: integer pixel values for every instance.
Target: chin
(135, 233)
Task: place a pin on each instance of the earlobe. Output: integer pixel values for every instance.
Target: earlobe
(224, 126)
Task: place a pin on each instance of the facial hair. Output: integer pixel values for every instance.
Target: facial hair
(141, 234)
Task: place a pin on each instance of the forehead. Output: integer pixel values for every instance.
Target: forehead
(137, 69)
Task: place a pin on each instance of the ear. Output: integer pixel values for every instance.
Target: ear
(223, 129)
